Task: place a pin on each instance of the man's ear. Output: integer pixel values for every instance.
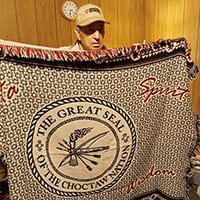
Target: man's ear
(77, 32)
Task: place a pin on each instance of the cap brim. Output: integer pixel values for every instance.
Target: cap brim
(92, 20)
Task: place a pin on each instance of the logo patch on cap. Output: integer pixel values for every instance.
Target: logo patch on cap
(90, 10)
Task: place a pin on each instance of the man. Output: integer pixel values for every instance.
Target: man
(89, 29)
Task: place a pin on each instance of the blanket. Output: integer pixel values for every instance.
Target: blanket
(114, 124)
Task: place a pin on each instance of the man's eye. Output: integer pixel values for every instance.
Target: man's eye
(90, 31)
(101, 31)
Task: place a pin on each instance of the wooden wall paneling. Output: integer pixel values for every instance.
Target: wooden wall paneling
(110, 10)
(26, 21)
(161, 20)
(96, 2)
(63, 26)
(191, 27)
(156, 20)
(197, 54)
(190, 30)
(175, 16)
(73, 35)
(195, 84)
(8, 21)
(123, 36)
(137, 21)
(81, 2)
(164, 19)
(46, 22)
(150, 20)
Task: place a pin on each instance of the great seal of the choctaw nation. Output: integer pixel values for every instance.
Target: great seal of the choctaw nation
(80, 145)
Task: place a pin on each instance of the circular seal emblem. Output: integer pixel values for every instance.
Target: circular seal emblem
(79, 146)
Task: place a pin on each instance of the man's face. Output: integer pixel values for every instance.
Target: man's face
(91, 36)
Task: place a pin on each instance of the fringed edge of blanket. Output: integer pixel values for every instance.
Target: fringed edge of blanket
(134, 52)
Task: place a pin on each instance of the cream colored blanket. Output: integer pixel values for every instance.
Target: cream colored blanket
(112, 124)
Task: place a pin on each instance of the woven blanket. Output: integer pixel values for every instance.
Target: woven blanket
(112, 124)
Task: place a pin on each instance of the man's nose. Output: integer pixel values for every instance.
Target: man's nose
(97, 34)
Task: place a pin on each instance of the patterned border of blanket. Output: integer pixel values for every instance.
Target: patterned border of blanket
(113, 124)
